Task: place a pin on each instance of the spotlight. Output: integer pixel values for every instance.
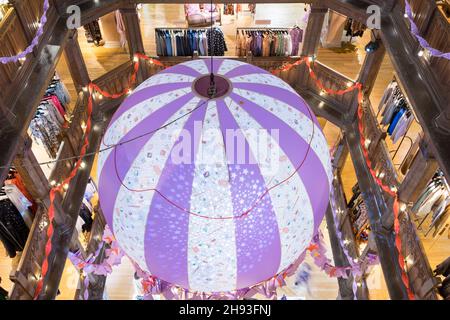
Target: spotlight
(372, 46)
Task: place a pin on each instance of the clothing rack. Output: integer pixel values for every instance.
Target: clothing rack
(397, 115)
(268, 41)
(175, 41)
(434, 204)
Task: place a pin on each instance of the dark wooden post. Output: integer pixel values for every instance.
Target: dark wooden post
(134, 37)
(376, 209)
(422, 170)
(75, 62)
(313, 30)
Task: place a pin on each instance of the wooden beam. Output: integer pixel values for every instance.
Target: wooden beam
(71, 206)
(376, 209)
(313, 30)
(422, 169)
(371, 65)
(420, 86)
(96, 282)
(75, 61)
(134, 37)
(29, 95)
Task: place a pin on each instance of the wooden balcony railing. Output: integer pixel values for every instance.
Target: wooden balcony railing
(435, 28)
(419, 272)
(17, 30)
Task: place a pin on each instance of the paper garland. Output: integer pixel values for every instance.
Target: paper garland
(34, 42)
(423, 43)
(113, 257)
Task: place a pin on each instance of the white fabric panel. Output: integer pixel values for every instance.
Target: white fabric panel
(198, 65)
(263, 78)
(212, 257)
(297, 120)
(229, 65)
(164, 78)
(131, 118)
(290, 200)
(131, 208)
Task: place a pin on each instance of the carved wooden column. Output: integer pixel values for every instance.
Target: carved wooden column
(376, 209)
(372, 64)
(422, 170)
(313, 30)
(344, 226)
(71, 206)
(75, 62)
(134, 36)
(96, 282)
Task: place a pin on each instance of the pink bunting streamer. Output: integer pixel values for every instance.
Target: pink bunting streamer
(35, 40)
(113, 257)
(424, 43)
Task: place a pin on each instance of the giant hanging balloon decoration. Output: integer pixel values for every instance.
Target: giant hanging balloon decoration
(233, 212)
(92, 88)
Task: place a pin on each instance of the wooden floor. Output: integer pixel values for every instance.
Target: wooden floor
(100, 60)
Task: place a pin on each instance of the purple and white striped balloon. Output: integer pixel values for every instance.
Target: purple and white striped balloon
(182, 220)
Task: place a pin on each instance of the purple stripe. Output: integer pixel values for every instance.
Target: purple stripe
(257, 235)
(109, 184)
(312, 172)
(147, 94)
(167, 229)
(182, 69)
(278, 93)
(216, 65)
(244, 70)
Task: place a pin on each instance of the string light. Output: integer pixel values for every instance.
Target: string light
(349, 84)
(83, 165)
(405, 15)
(136, 59)
(420, 53)
(367, 143)
(403, 207)
(53, 183)
(66, 186)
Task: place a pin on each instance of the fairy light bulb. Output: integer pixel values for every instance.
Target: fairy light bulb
(53, 183)
(136, 59)
(349, 84)
(405, 15)
(420, 53)
(367, 143)
(66, 186)
(403, 207)
(83, 165)
(322, 93)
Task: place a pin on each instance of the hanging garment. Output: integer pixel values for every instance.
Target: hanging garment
(216, 39)
(335, 30)
(93, 32)
(395, 120)
(13, 230)
(296, 38)
(402, 126)
(120, 24)
(228, 9)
